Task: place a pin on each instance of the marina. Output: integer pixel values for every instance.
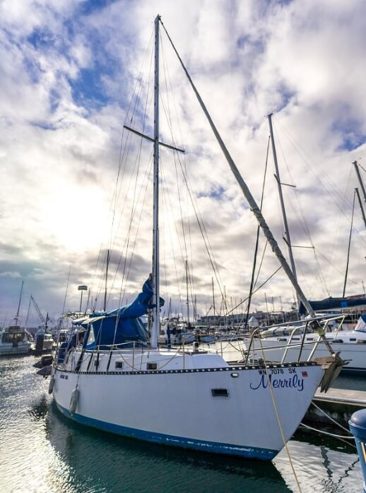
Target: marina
(194, 270)
(197, 399)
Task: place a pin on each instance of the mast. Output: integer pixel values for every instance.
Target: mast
(187, 293)
(155, 257)
(349, 246)
(355, 164)
(16, 318)
(279, 184)
(155, 329)
(106, 283)
(246, 192)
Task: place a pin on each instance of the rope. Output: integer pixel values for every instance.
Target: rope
(328, 433)
(330, 417)
(279, 420)
(255, 290)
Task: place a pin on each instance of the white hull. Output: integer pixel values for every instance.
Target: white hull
(8, 349)
(177, 406)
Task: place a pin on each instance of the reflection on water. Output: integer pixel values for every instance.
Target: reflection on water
(350, 381)
(41, 451)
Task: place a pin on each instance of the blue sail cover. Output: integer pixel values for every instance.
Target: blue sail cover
(336, 303)
(123, 324)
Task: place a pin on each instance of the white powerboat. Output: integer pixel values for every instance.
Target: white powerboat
(15, 340)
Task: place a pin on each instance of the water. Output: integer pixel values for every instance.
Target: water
(350, 381)
(43, 452)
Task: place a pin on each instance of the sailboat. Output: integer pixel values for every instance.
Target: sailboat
(284, 342)
(113, 376)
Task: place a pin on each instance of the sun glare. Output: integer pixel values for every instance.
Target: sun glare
(78, 220)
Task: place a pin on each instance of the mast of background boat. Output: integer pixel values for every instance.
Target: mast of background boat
(187, 294)
(282, 202)
(106, 283)
(155, 256)
(16, 318)
(247, 193)
(349, 245)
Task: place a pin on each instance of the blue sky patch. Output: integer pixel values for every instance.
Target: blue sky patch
(89, 6)
(352, 141)
(286, 96)
(350, 134)
(41, 38)
(43, 125)
(216, 193)
(88, 89)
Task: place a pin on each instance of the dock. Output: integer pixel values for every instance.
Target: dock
(340, 404)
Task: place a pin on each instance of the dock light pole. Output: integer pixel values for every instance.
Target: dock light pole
(82, 288)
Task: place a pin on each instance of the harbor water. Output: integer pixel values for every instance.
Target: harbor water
(42, 452)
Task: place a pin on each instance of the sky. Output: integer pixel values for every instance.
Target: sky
(75, 183)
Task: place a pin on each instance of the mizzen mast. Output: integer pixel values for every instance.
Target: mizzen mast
(282, 201)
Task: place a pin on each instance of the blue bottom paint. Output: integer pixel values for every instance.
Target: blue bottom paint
(191, 443)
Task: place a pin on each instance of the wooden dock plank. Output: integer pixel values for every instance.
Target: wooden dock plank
(342, 396)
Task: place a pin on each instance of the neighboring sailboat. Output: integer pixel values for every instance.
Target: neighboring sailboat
(284, 343)
(111, 376)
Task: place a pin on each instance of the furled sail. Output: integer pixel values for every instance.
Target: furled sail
(122, 325)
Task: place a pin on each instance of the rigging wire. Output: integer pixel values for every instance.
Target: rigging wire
(296, 205)
(360, 165)
(255, 290)
(185, 225)
(257, 239)
(121, 172)
(330, 187)
(126, 255)
(199, 219)
(166, 105)
(341, 203)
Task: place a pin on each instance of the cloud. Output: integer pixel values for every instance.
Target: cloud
(73, 73)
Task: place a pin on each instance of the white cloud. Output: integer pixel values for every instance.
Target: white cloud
(60, 136)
